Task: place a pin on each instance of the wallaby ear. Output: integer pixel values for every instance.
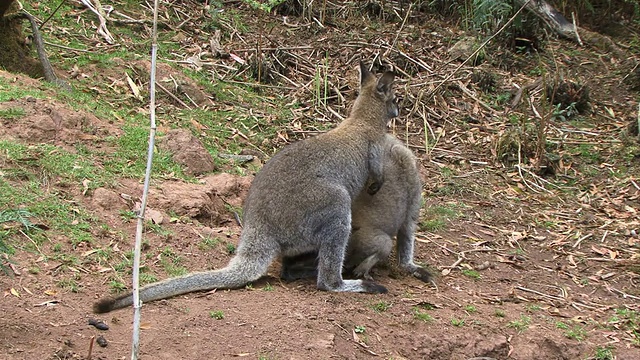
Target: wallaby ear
(385, 82)
(365, 75)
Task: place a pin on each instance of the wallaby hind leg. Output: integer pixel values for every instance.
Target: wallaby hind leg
(332, 236)
(367, 247)
(405, 247)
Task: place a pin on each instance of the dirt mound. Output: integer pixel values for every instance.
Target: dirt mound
(188, 151)
(37, 121)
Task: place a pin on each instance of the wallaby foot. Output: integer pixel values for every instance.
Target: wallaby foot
(363, 286)
(363, 269)
(418, 272)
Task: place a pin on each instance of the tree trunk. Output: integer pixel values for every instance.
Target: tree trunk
(15, 54)
(4, 6)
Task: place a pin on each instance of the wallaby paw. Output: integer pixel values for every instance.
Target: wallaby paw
(423, 274)
(373, 288)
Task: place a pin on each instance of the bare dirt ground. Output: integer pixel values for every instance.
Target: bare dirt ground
(529, 267)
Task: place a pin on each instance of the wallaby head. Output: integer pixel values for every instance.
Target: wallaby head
(376, 101)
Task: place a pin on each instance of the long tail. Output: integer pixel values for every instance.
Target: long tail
(238, 273)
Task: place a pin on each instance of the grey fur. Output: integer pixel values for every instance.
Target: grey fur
(300, 202)
(392, 212)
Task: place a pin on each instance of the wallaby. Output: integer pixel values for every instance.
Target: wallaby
(300, 202)
(376, 219)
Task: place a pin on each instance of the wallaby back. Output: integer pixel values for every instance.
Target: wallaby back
(300, 201)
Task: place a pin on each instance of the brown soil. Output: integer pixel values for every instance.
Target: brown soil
(578, 271)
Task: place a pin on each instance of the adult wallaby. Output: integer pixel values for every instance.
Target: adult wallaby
(376, 219)
(300, 202)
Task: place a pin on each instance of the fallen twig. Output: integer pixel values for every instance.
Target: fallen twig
(99, 11)
(539, 293)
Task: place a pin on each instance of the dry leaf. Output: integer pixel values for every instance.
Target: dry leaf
(14, 292)
(85, 186)
(134, 87)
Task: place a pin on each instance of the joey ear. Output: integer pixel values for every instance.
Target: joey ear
(365, 75)
(385, 82)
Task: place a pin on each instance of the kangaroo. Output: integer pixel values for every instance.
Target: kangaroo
(393, 211)
(300, 202)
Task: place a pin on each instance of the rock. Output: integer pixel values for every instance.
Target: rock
(188, 151)
(108, 199)
(206, 201)
(325, 342)
(464, 48)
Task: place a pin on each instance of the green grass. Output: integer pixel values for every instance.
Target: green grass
(12, 113)
(457, 322)
(380, 306)
(7, 217)
(9, 91)
(216, 314)
(50, 207)
(231, 248)
(470, 309)
(70, 284)
(604, 353)
(437, 216)
(117, 286)
(521, 324)
(533, 308)
(626, 320)
(208, 243)
(471, 273)
(421, 315)
(146, 278)
(576, 332)
(171, 262)
(158, 230)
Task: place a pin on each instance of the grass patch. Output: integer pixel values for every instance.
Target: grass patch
(53, 209)
(626, 320)
(470, 309)
(471, 273)
(436, 217)
(381, 306)
(533, 308)
(9, 91)
(171, 262)
(216, 314)
(521, 324)
(421, 315)
(12, 113)
(208, 243)
(70, 284)
(604, 353)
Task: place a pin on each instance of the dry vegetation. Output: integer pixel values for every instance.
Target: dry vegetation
(530, 155)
